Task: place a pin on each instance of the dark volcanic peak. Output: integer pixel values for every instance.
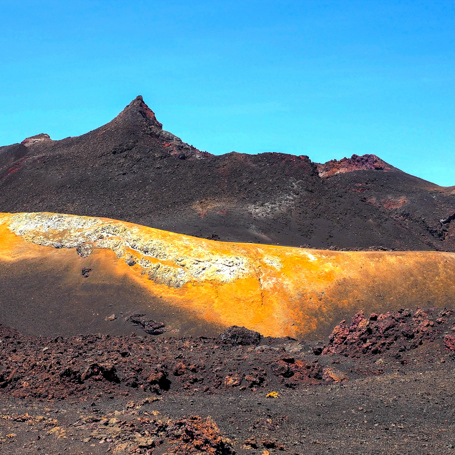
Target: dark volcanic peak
(355, 163)
(136, 111)
(131, 169)
(137, 119)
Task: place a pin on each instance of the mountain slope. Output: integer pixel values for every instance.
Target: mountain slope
(131, 169)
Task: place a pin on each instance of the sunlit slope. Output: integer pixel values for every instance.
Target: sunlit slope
(277, 291)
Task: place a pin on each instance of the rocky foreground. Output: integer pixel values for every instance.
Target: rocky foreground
(381, 383)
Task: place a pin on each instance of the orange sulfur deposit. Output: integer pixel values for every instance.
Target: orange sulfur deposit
(277, 291)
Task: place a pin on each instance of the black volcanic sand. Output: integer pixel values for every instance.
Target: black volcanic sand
(64, 294)
(132, 170)
(380, 384)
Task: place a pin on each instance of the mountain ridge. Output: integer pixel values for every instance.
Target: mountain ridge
(131, 169)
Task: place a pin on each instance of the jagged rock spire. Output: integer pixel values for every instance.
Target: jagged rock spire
(136, 110)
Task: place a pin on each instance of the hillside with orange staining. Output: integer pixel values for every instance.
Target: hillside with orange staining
(79, 265)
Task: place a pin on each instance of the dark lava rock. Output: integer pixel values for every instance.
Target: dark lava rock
(86, 272)
(240, 336)
(148, 325)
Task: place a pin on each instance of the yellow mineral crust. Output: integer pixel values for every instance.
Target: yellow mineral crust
(278, 291)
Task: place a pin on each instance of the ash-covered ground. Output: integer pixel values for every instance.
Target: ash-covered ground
(381, 383)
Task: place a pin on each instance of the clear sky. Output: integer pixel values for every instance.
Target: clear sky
(325, 79)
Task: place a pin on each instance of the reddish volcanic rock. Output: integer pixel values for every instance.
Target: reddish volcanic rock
(394, 332)
(449, 342)
(36, 139)
(355, 163)
(197, 435)
(94, 391)
(57, 368)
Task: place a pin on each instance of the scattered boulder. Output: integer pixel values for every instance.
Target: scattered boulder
(240, 336)
(148, 325)
(86, 272)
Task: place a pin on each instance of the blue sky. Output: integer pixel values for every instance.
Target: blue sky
(325, 79)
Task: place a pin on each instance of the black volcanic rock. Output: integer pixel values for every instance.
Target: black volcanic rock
(240, 336)
(131, 169)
